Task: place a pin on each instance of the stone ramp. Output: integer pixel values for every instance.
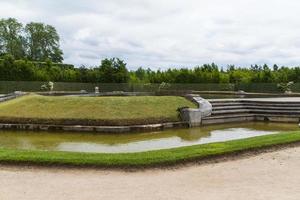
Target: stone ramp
(258, 109)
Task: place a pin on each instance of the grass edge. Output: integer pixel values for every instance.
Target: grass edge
(157, 158)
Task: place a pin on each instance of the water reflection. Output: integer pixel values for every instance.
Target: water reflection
(86, 142)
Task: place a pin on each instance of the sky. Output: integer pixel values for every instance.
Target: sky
(169, 33)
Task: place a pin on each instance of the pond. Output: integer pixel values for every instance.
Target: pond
(136, 142)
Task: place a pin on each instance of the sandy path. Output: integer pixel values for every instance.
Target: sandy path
(274, 175)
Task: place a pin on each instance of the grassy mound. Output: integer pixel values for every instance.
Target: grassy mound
(92, 110)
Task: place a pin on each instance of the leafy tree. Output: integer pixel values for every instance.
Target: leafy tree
(24, 71)
(113, 71)
(11, 40)
(43, 42)
(6, 68)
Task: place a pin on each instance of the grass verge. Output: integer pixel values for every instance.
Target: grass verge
(67, 110)
(146, 159)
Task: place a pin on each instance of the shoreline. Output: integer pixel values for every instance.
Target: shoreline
(160, 165)
(235, 156)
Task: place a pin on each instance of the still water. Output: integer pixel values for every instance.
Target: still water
(137, 142)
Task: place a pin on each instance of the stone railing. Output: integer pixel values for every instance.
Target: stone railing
(193, 116)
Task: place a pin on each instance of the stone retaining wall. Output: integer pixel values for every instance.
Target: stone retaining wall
(100, 129)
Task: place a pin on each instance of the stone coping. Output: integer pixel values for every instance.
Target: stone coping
(260, 100)
(96, 129)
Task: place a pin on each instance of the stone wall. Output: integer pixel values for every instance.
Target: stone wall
(99, 129)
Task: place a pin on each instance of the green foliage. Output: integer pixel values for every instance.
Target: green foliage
(43, 42)
(211, 73)
(112, 71)
(24, 70)
(37, 41)
(11, 39)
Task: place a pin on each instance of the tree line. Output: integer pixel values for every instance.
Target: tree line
(32, 52)
(211, 73)
(115, 70)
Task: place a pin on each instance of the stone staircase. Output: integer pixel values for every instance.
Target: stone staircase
(239, 110)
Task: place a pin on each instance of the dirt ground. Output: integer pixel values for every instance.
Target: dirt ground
(274, 175)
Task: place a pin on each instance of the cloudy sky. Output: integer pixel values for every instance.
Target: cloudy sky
(169, 33)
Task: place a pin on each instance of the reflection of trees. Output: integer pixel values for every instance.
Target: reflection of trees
(21, 140)
(9, 142)
(193, 134)
(50, 141)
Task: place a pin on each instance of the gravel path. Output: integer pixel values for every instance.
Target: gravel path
(274, 175)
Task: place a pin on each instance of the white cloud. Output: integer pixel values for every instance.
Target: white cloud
(167, 33)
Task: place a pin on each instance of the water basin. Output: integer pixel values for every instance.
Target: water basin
(137, 142)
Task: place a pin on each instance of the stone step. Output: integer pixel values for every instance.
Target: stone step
(224, 100)
(277, 104)
(227, 112)
(228, 107)
(255, 111)
(273, 104)
(238, 110)
(256, 103)
(226, 104)
(279, 112)
(250, 117)
(270, 103)
(277, 115)
(264, 107)
(228, 118)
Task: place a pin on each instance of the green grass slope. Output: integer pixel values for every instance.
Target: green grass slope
(92, 110)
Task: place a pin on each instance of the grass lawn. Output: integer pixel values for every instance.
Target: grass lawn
(146, 159)
(92, 110)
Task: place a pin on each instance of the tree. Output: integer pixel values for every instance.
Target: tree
(11, 40)
(113, 71)
(7, 68)
(43, 42)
